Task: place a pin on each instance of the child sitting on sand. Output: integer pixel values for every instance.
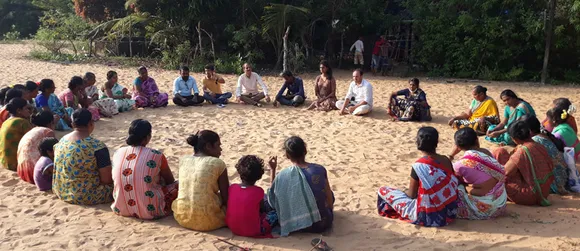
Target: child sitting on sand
(44, 165)
(246, 215)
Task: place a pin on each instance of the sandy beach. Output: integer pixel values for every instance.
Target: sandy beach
(360, 154)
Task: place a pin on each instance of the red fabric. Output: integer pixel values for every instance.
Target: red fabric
(243, 213)
(377, 48)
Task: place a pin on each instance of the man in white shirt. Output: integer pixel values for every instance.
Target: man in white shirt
(247, 89)
(359, 48)
(359, 98)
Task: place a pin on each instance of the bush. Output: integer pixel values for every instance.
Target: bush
(12, 35)
(181, 55)
(60, 57)
(58, 29)
(229, 64)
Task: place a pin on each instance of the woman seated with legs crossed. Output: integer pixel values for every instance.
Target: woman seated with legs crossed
(482, 178)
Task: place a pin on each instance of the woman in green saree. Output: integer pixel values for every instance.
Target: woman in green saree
(515, 108)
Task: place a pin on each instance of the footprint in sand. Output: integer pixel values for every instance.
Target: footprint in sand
(10, 183)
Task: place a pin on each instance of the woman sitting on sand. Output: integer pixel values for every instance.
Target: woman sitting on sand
(146, 93)
(482, 192)
(431, 199)
(48, 101)
(481, 114)
(413, 107)
(529, 168)
(301, 194)
(555, 148)
(82, 165)
(28, 152)
(325, 89)
(203, 185)
(106, 106)
(12, 131)
(10, 94)
(566, 105)
(120, 94)
(515, 108)
(73, 97)
(557, 119)
(144, 184)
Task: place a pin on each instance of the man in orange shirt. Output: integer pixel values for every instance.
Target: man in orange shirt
(212, 90)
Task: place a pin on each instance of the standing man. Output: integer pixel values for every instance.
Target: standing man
(359, 98)
(295, 95)
(212, 89)
(182, 87)
(359, 48)
(376, 57)
(247, 89)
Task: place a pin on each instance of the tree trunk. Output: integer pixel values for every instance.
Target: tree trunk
(130, 37)
(549, 31)
(341, 49)
(285, 62)
(199, 38)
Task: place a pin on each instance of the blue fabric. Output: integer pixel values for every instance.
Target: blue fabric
(294, 88)
(219, 98)
(317, 180)
(292, 198)
(512, 115)
(184, 88)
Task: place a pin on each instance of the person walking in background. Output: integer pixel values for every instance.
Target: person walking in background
(359, 48)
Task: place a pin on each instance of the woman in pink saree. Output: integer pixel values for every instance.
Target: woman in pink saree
(146, 93)
(481, 192)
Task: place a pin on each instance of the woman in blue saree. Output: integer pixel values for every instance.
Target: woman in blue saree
(515, 108)
(48, 101)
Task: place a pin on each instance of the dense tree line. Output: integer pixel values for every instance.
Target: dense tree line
(489, 39)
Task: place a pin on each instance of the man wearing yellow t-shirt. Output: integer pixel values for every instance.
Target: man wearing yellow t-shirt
(212, 90)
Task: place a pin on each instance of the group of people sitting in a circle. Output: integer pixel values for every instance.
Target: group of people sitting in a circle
(138, 182)
(479, 184)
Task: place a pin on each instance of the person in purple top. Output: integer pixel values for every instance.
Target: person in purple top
(44, 165)
(294, 88)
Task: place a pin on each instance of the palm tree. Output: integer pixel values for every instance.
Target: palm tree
(277, 19)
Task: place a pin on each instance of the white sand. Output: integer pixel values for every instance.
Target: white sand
(361, 154)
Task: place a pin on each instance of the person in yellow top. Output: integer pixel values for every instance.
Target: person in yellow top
(203, 185)
(212, 90)
(481, 114)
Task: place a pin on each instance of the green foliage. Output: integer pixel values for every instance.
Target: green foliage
(180, 55)
(57, 29)
(230, 64)
(21, 13)
(12, 35)
(246, 42)
(61, 57)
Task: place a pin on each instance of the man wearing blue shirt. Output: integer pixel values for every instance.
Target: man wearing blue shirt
(182, 87)
(294, 88)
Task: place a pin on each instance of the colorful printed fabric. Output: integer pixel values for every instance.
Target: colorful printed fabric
(493, 204)
(436, 202)
(28, 153)
(530, 184)
(148, 90)
(68, 96)
(413, 107)
(198, 205)
(106, 106)
(138, 190)
(123, 105)
(483, 115)
(76, 177)
(11, 132)
(55, 105)
(511, 115)
(560, 170)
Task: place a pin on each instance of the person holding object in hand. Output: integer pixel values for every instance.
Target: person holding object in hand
(212, 90)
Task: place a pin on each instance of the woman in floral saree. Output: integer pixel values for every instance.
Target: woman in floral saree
(146, 92)
(120, 94)
(482, 193)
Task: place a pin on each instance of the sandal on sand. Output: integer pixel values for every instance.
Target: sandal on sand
(258, 105)
(319, 244)
(232, 248)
